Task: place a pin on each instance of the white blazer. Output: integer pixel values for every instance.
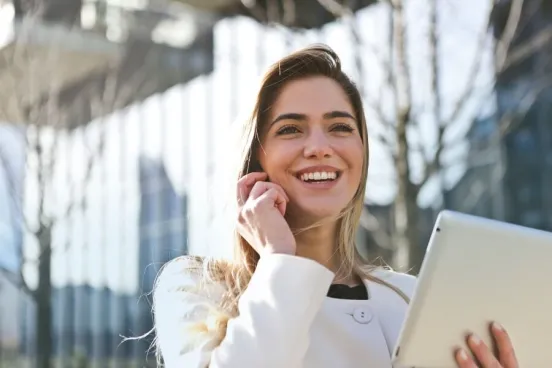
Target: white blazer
(285, 319)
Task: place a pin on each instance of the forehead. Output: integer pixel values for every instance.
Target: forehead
(311, 96)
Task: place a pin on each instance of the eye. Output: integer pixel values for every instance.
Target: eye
(342, 128)
(288, 129)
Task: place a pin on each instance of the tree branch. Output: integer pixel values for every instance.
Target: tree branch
(17, 280)
(403, 97)
(114, 95)
(433, 166)
(336, 8)
(505, 57)
(509, 33)
(511, 120)
(402, 76)
(525, 50)
(341, 11)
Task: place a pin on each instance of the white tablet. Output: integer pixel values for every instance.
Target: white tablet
(476, 271)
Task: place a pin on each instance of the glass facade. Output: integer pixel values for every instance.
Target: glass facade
(527, 177)
(528, 144)
(12, 167)
(163, 236)
(520, 170)
(88, 321)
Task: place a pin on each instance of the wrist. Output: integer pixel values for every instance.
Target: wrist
(287, 250)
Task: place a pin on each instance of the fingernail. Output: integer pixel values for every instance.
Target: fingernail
(475, 339)
(462, 355)
(498, 327)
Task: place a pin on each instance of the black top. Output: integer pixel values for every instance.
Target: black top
(340, 291)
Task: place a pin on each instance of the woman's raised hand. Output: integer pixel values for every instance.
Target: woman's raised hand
(262, 206)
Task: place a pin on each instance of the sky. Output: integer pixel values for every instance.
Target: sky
(189, 127)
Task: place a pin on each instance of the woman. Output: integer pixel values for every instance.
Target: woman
(298, 293)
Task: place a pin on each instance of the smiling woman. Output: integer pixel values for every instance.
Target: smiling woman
(298, 294)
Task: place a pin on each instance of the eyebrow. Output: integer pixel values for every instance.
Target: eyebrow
(302, 117)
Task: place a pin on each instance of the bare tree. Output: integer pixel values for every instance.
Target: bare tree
(403, 138)
(51, 110)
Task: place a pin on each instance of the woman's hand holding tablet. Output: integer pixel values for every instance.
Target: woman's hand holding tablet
(505, 356)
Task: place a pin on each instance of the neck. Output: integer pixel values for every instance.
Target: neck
(319, 244)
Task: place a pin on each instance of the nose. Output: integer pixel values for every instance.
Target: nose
(318, 145)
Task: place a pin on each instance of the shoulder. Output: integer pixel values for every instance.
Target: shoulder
(187, 309)
(181, 271)
(188, 276)
(185, 268)
(403, 281)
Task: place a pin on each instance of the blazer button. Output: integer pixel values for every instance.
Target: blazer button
(362, 315)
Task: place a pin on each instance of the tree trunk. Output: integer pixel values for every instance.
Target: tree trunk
(406, 212)
(413, 234)
(43, 299)
(406, 240)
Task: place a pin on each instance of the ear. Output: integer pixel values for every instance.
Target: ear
(259, 168)
(256, 167)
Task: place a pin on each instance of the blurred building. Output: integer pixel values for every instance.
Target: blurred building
(480, 190)
(375, 234)
(89, 321)
(138, 48)
(126, 52)
(163, 236)
(510, 170)
(304, 14)
(11, 235)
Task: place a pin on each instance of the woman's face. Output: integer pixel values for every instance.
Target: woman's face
(311, 146)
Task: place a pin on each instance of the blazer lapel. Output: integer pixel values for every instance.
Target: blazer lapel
(390, 308)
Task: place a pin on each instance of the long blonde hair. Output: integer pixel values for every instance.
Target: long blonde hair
(317, 60)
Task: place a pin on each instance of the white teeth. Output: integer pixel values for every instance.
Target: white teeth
(323, 175)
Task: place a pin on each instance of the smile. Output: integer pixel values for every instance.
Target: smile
(319, 176)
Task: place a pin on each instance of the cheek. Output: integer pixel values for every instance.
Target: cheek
(355, 156)
(353, 153)
(275, 159)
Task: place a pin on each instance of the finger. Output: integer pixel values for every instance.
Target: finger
(506, 353)
(246, 183)
(262, 186)
(463, 359)
(482, 352)
(275, 197)
(281, 205)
